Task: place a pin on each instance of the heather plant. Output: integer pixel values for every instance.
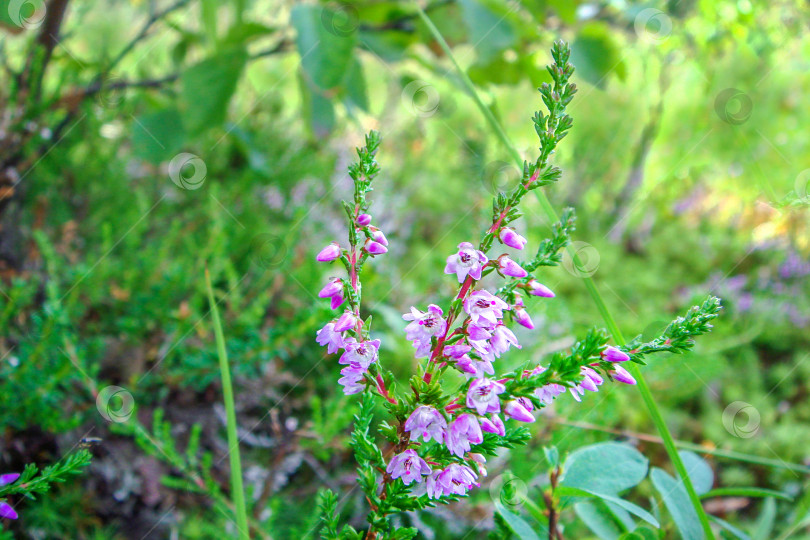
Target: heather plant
(458, 408)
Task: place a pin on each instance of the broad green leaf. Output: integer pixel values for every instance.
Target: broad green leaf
(604, 468)
(325, 47)
(622, 516)
(596, 54)
(240, 34)
(355, 84)
(700, 472)
(208, 9)
(158, 136)
(746, 492)
(678, 504)
(598, 519)
(516, 523)
(390, 46)
(634, 509)
(207, 88)
(765, 523)
(317, 110)
(552, 455)
(730, 528)
(489, 33)
(641, 533)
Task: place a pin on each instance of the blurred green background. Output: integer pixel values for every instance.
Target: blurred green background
(141, 141)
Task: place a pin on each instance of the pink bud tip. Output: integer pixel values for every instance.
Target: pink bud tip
(622, 375)
(612, 354)
(512, 239)
(518, 412)
(538, 289)
(332, 288)
(346, 321)
(375, 248)
(363, 219)
(329, 253)
(378, 236)
(337, 300)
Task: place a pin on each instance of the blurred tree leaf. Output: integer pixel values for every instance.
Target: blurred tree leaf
(517, 524)
(355, 85)
(598, 519)
(605, 468)
(677, 502)
(207, 88)
(158, 135)
(317, 110)
(325, 49)
(489, 33)
(596, 54)
(390, 46)
(700, 472)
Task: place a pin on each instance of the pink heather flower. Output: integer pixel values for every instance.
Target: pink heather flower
(337, 300)
(8, 478)
(363, 353)
(493, 425)
(513, 409)
(352, 380)
(425, 325)
(484, 309)
(538, 289)
(378, 236)
(454, 480)
(481, 461)
(483, 396)
(508, 267)
(502, 339)
(475, 368)
(329, 337)
(547, 393)
(426, 422)
(612, 354)
(346, 321)
(468, 261)
(512, 239)
(462, 432)
(456, 351)
(329, 253)
(331, 289)
(521, 316)
(477, 333)
(408, 466)
(375, 248)
(7, 512)
(593, 377)
(363, 219)
(622, 375)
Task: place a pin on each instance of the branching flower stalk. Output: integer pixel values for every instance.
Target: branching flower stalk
(457, 410)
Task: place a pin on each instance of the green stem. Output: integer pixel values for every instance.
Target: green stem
(230, 412)
(548, 209)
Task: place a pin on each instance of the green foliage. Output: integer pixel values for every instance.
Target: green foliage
(35, 481)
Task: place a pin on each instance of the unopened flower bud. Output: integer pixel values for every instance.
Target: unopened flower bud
(363, 219)
(346, 321)
(375, 248)
(622, 375)
(331, 289)
(613, 354)
(329, 253)
(509, 267)
(512, 239)
(516, 411)
(378, 236)
(538, 289)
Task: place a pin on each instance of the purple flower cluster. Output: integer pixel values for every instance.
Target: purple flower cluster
(345, 332)
(6, 510)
